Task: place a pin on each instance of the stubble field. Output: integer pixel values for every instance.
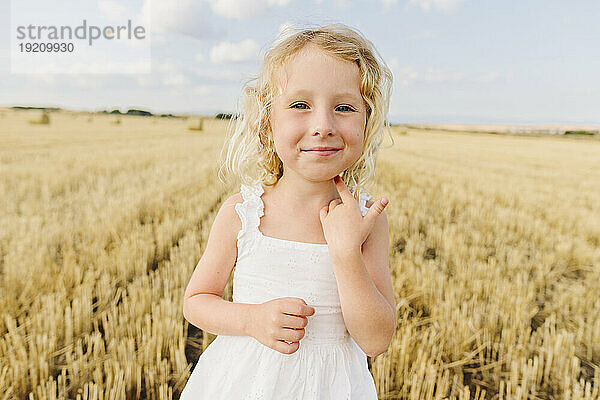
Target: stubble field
(494, 255)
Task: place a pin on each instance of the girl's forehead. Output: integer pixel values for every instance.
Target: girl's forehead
(311, 52)
(314, 67)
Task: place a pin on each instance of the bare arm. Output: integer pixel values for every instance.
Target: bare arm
(366, 291)
(203, 303)
(278, 323)
(218, 316)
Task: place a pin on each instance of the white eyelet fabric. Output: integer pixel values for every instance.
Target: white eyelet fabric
(328, 365)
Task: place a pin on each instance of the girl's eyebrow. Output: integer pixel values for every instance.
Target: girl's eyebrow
(305, 92)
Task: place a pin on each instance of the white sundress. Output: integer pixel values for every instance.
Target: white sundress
(328, 364)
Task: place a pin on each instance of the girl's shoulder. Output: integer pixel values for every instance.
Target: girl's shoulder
(228, 209)
(234, 199)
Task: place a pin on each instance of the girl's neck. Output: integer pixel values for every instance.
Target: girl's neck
(301, 194)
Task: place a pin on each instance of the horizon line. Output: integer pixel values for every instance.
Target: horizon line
(395, 119)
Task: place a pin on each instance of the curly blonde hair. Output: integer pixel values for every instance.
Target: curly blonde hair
(250, 150)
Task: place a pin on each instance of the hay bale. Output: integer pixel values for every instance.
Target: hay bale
(116, 121)
(42, 118)
(196, 124)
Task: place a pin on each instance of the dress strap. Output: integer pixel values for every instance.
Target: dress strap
(252, 208)
(249, 211)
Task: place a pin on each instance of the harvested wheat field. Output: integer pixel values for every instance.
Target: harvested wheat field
(494, 252)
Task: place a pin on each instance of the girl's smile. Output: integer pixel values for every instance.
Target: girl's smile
(323, 152)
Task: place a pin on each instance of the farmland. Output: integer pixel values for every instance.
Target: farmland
(494, 255)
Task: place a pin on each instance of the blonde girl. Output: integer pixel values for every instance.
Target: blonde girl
(312, 291)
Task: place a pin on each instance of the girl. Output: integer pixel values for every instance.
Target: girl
(312, 291)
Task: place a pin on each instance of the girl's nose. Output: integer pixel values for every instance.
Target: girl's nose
(323, 123)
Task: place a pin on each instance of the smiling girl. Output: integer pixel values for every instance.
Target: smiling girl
(312, 291)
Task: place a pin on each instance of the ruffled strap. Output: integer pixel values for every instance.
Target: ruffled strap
(252, 208)
(249, 211)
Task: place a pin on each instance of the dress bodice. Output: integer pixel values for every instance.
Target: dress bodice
(268, 268)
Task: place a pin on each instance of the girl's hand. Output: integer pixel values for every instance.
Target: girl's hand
(344, 227)
(279, 323)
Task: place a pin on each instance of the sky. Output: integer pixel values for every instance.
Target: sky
(461, 61)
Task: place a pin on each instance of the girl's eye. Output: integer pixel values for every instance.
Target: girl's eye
(348, 108)
(303, 106)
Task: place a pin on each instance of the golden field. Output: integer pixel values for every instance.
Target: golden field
(494, 254)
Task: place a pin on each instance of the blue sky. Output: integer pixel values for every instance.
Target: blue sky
(453, 60)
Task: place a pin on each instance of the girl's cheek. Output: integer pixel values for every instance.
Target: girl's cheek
(354, 130)
(296, 117)
(295, 122)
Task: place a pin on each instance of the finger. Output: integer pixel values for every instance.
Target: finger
(285, 347)
(376, 209)
(323, 213)
(298, 309)
(294, 321)
(343, 190)
(334, 203)
(291, 335)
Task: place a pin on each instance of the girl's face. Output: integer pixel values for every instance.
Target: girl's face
(321, 106)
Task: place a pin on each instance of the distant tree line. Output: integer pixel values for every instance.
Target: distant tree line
(131, 111)
(36, 108)
(149, 114)
(142, 113)
(226, 116)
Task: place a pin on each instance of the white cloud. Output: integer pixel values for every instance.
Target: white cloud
(172, 74)
(237, 9)
(489, 77)
(341, 3)
(279, 3)
(200, 58)
(424, 35)
(158, 38)
(183, 17)
(193, 18)
(169, 66)
(49, 80)
(144, 81)
(112, 9)
(443, 5)
(234, 52)
(242, 9)
(229, 75)
(407, 74)
(176, 80)
(201, 90)
(83, 81)
(434, 75)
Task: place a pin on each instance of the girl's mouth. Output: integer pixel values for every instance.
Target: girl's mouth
(322, 152)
